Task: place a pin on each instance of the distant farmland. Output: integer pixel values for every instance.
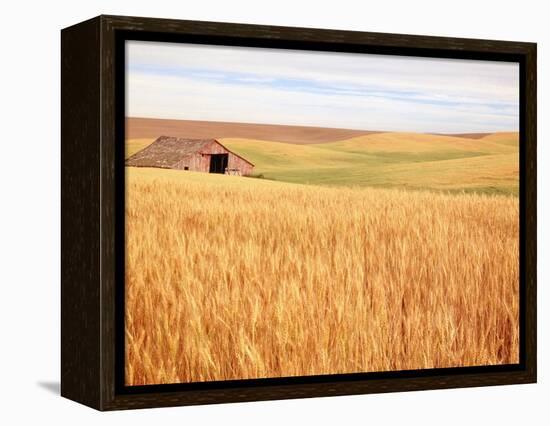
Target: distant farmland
(146, 128)
(487, 164)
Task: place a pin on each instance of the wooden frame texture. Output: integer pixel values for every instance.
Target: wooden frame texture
(91, 204)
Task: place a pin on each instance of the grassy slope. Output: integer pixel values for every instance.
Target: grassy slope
(400, 160)
(404, 160)
(136, 145)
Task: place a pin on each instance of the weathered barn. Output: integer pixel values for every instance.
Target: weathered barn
(199, 155)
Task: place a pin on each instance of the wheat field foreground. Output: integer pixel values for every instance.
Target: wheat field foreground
(238, 278)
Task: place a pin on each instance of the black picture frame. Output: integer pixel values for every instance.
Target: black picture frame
(92, 206)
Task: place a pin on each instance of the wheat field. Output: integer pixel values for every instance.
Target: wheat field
(238, 278)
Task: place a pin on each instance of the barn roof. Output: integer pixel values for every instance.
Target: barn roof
(166, 151)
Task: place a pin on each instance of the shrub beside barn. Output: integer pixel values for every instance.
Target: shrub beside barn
(199, 155)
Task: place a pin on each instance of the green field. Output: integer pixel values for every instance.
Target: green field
(390, 160)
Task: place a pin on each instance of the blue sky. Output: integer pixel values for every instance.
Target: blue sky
(356, 91)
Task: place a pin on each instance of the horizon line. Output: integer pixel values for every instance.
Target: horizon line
(328, 127)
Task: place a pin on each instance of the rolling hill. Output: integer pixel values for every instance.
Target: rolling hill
(413, 161)
(143, 128)
(487, 164)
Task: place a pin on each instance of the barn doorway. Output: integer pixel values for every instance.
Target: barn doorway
(218, 163)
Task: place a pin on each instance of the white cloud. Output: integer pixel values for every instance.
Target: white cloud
(320, 88)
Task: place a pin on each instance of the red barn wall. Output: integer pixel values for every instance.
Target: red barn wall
(235, 162)
(195, 162)
(200, 162)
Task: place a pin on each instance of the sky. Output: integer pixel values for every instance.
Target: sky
(326, 89)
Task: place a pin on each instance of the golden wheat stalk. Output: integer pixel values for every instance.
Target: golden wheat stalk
(234, 278)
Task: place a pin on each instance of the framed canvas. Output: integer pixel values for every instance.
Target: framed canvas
(254, 212)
